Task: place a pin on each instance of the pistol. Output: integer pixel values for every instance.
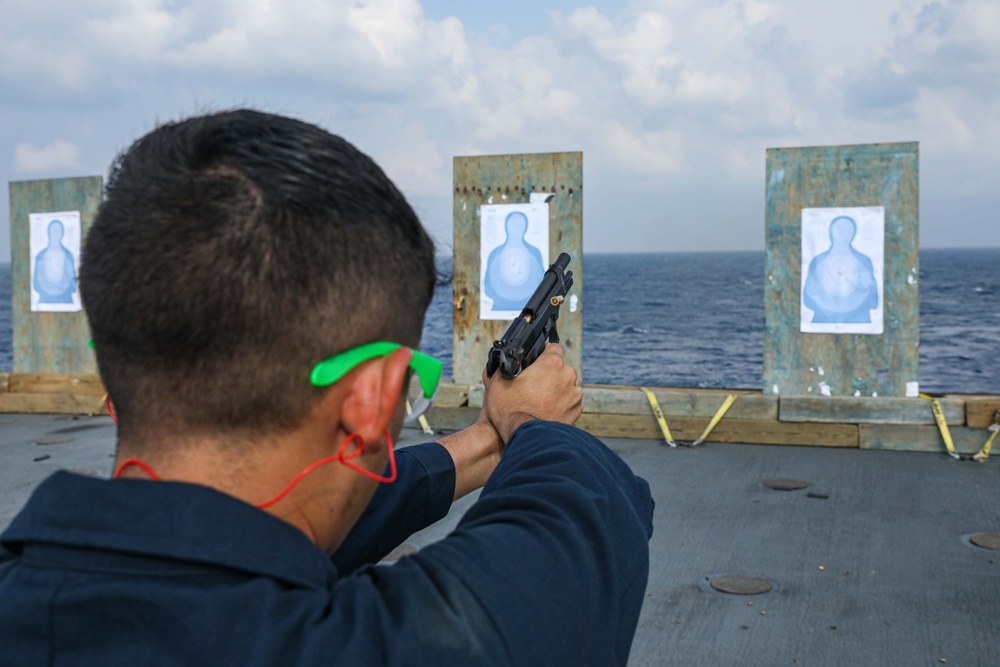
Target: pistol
(535, 326)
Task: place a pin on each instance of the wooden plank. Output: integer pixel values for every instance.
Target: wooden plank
(4, 382)
(451, 419)
(688, 390)
(451, 395)
(510, 179)
(750, 431)
(48, 342)
(68, 404)
(623, 400)
(979, 410)
(631, 401)
(841, 176)
(48, 383)
(850, 410)
(477, 394)
(911, 438)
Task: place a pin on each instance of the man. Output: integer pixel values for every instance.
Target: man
(256, 289)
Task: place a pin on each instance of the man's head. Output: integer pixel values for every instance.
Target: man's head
(232, 253)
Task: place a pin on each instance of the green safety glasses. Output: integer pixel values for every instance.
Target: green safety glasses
(422, 383)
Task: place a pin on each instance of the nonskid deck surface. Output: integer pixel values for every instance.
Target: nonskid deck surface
(870, 564)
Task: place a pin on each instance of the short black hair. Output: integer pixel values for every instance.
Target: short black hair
(232, 252)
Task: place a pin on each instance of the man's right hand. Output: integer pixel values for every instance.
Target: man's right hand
(544, 390)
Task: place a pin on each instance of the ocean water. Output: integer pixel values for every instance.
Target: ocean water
(697, 320)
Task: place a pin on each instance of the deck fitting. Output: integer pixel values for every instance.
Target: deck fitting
(53, 441)
(785, 484)
(740, 584)
(989, 541)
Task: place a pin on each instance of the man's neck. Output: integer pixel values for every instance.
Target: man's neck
(324, 504)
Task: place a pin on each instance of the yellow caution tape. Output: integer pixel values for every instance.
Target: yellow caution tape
(658, 413)
(662, 421)
(422, 420)
(719, 414)
(100, 406)
(984, 453)
(942, 425)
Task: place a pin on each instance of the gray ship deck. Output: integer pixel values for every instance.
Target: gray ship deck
(868, 563)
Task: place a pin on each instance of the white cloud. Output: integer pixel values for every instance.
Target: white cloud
(57, 155)
(950, 44)
(656, 153)
(652, 93)
(413, 160)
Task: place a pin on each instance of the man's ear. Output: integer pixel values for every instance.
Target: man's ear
(374, 389)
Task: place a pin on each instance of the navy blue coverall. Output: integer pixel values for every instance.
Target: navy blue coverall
(548, 567)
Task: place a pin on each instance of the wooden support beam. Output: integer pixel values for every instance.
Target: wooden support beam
(674, 402)
(750, 431)
(451, 395)
(451, 419)
(979, 410)
(51, 383)
(686, 390)
(624, 412)
(41, 403)
(678, 403)
(849, 410)
(913, 438)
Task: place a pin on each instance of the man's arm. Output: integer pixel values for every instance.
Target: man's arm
(545, 390)
(430, 479)
(548, 567)
(475, 452)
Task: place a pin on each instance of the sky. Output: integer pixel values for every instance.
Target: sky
(673, 102)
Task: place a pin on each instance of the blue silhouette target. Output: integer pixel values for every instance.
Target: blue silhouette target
(842, 270)
(514, 255)
(55, 255)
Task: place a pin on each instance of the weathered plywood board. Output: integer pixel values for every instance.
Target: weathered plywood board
(451, 395)
(979, 410)
(48, 342)
(37, 383)
(678, 403)
(55, 404)
(850, 410)
(750, 431)
(796, 363)
(909, 438)
(686, 390)
(451, 419)
(510, 179)
(673, 402)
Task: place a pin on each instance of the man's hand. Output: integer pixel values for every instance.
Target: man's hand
(545, 390)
